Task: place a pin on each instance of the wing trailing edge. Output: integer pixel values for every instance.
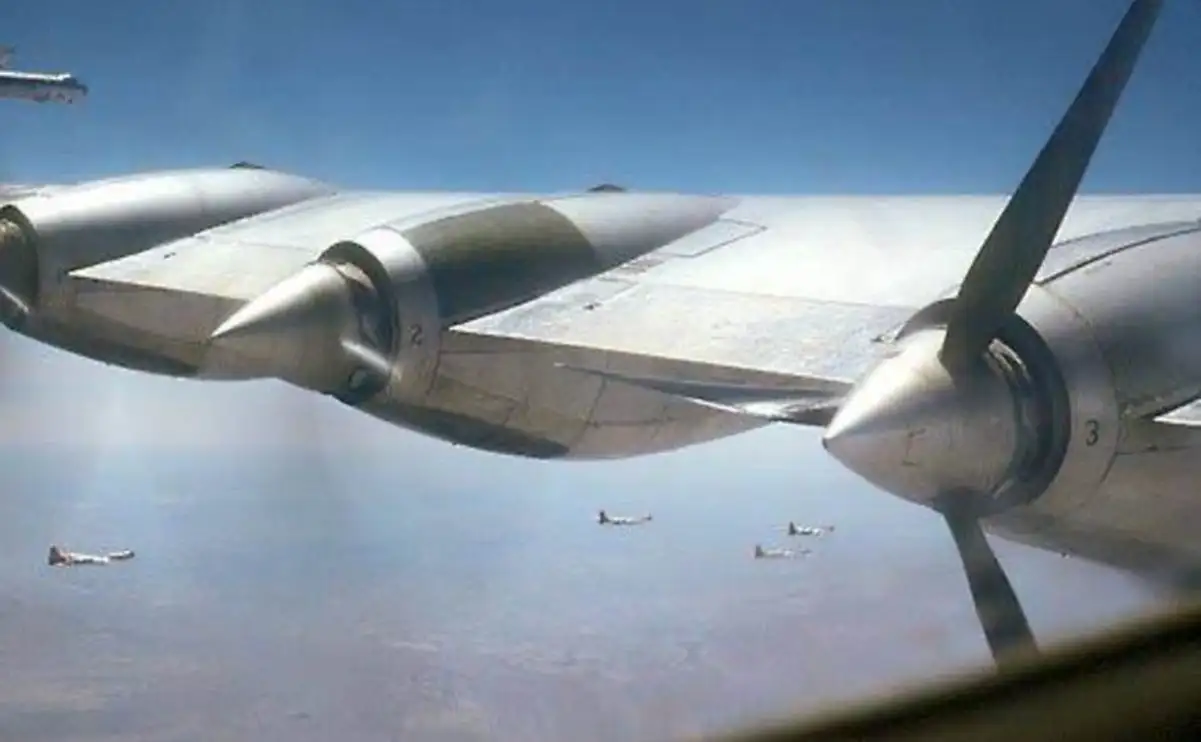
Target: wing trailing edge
(811, 404)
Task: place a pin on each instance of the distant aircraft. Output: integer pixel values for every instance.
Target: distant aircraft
(60, 557)
(37, 86)
(761, 553)
(1022, 360)
(618, 520)
(795, 530)
(41, 88)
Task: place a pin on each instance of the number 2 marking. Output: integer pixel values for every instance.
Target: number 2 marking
(1094, 432)
(416, 335)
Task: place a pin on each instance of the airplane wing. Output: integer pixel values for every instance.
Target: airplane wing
(779, 306)
(769, 307)
(210, 274)
(772, 310)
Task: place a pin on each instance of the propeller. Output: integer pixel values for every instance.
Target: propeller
(18, 273)
(998, 609)
(18, 262)
(935, 423)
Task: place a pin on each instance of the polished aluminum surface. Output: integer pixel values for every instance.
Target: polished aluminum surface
(950, 426)
(167, 300)
(918, 431)
(425, 276)
(811, 294)
(296, 330)
(1141, 308)
(1123, 332)
(402, 355)
(778, 291)
(471, 263)
(90, 223)
(70, 227)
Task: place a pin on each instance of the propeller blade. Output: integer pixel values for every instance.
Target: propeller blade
(18, 270)
(1001, 616)
(1014, 250)
(17, 309)
(373, 362)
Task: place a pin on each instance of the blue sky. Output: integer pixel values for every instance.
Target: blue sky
(803, 96)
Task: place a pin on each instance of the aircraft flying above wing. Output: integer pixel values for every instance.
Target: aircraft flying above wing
(6, 56)
(605, 519)
(1023, 361)
(41, 87)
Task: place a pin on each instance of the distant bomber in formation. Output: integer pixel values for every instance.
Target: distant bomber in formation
(619, 520)
(761, 553)
(795, 530)
(60, 557)
(38, 86)
(792, 530)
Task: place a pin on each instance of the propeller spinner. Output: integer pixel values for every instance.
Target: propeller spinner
(950, 420)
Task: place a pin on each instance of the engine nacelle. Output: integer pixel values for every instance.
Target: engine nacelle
(1080, 423)
(365, 322)
(1072, 458)
(45, 236)
(991, 436)
(1122, 323)
(396, 339)
(367, 315)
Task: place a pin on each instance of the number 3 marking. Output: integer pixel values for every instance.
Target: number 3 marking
(1094, 432)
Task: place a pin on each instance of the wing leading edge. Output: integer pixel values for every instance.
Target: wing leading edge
(772, 311)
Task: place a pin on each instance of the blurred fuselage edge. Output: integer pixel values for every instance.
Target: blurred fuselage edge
(1077, 691)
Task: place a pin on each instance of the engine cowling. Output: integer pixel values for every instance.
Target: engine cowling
(44, 236)
(364, 321)
(359, 321)
(1122, 325)
(1034, 434)
(994, 433)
